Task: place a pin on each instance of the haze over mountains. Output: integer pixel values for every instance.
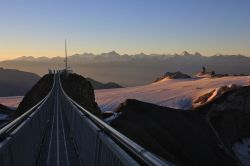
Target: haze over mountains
(17, 83)
(126, 69)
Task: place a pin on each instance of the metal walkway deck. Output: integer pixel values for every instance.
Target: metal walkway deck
(58, 148)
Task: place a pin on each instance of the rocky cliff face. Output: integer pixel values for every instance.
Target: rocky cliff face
(35, 94)
(203, 136)
(230, 115)
(181, 136)
(238, 98)
(81, 91)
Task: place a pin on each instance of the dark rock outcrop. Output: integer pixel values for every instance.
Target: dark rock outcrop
(203, 136)
(204, 98)
(81, 91)
(173, 75)
(36, 93)
(181, 136)
(230, 115)
(215, 93)
(76, 86)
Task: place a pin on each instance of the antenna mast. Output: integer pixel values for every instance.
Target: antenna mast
(66, 57)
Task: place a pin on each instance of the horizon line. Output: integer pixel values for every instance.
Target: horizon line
(125, 54)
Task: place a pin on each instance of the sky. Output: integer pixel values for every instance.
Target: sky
(39, 28)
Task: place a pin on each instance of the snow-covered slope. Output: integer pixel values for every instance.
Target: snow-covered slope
(175, 93)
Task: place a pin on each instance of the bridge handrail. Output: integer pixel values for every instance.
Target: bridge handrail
(144, 155)
(16, 122)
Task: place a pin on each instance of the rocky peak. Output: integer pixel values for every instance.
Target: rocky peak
(81, 91)
(173, 75)
(229, 115)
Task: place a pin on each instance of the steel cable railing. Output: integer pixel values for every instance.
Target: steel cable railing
(21, 138)
(97, 131)
(4, 131)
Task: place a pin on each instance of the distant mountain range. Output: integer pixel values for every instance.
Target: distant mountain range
(131, 70)
(17, 83)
